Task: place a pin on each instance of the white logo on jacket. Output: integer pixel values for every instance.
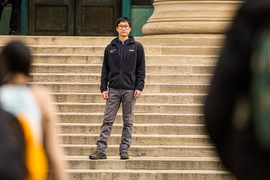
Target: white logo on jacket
(113, 50)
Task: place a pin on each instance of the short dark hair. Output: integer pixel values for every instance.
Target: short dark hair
(15, 57)
(123, 19)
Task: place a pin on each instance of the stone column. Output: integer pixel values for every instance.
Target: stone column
(190, 17)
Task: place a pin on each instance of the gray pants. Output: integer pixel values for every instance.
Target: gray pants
(116, 96)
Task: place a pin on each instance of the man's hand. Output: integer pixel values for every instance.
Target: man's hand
(105, 95)
(137, 94)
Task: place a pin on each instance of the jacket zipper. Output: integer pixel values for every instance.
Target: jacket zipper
(121, 71)
(120, 66)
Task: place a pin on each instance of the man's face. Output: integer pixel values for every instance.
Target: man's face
(123, 29)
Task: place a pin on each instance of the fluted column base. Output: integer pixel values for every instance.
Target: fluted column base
(191, 17)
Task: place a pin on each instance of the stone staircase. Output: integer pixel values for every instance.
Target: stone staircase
(169, 137)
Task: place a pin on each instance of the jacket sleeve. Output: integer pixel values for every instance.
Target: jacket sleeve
(104, 72)
(140, 69)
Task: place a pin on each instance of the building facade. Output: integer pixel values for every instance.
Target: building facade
(78, 17)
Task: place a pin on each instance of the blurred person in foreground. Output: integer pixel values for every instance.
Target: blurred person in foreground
(235, 107)
(34, 111)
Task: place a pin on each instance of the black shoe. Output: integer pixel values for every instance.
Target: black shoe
(124, 155)
(12, 33)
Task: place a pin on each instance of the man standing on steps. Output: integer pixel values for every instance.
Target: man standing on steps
(124, 69)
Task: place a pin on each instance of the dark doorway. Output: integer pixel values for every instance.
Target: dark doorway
(73, 17)
(97, 17)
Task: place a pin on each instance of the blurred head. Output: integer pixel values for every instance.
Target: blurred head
(123, 26)
(15, 58)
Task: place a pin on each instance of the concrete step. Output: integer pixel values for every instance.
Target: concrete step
(150, 60)
(147, 163)
(149, 88)
(149, 174)
(139, 108)
(140, 139)
(169, 137)
(146, 129)
(96, 68)
(164, 98)
(144, 151)
(149, 50)
(139, 118)
(181, 40)
(182, 60)
(95, 78)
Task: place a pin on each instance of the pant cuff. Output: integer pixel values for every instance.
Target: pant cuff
(123, 149)
(102, 150)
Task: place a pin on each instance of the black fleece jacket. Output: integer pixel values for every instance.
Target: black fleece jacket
(132, 75)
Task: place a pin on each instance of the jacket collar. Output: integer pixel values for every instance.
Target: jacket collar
(115, 40)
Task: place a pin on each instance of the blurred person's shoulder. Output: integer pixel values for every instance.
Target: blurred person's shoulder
(43, 96)
(41, 92)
